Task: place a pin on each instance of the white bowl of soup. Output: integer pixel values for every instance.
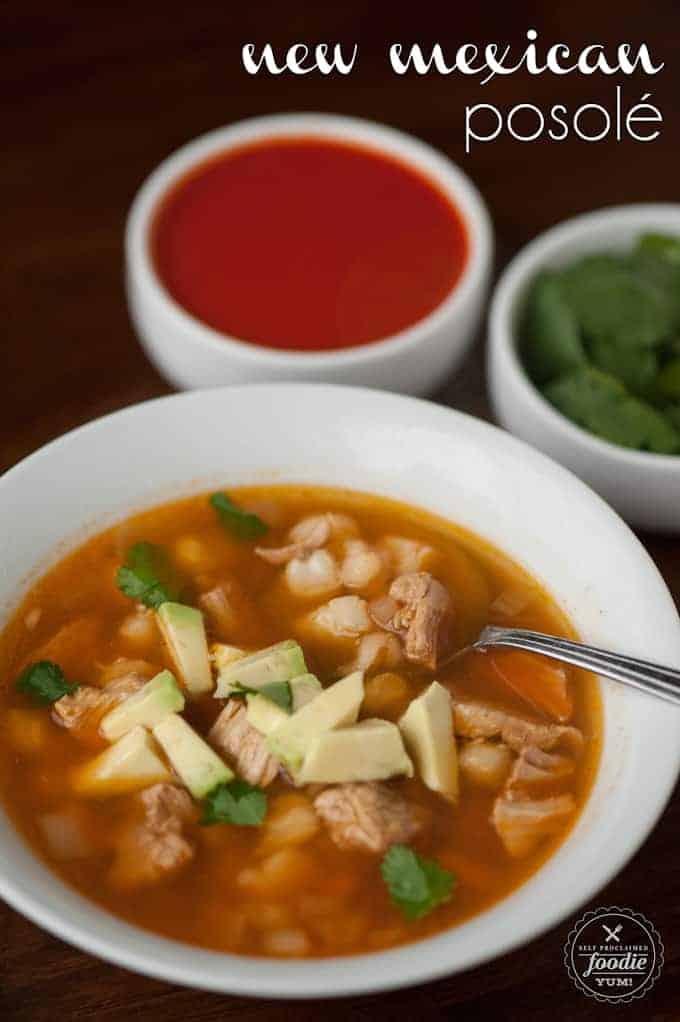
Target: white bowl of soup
(307, 247)
(237, 752)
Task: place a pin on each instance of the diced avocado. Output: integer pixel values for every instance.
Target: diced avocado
(281, 662)
(303, 689)
(264, 715)
(147, 707)
(369, 751)
(427, 727)
(184, 632)
(335, 706)
(222, 655)
(199, 768)
(131, 763)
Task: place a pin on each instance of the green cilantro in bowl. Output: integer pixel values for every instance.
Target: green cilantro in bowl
(600, 339)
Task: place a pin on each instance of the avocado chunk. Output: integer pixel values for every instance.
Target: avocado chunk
(303, 689)
(265, 715)
(183, 629)
(131, 763)
(147, 707)
(199, 768)
(223, 655)
(372, 750)
(427, 728)
(335, 706)
(281, 662)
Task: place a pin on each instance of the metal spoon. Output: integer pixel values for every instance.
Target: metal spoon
(654, 679)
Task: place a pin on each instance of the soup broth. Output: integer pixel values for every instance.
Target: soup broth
(297, 883)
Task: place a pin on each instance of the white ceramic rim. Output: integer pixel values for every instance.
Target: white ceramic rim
(369, 135)
(97, 932)
(519, 272)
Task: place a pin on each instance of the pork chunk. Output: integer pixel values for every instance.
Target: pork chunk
(167, 807)
(157, 848)
(482, 720)
(368, 816)
(235, 737)
(522, 823)
(535, 768)
(82, 709)
(416, 609)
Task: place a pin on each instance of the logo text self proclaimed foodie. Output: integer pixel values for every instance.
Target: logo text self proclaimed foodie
(614, 955)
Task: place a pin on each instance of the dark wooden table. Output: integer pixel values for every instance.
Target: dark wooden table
(93, 98)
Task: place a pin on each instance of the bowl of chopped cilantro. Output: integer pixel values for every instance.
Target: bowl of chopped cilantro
(584, 354)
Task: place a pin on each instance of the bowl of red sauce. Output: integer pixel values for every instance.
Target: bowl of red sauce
(309, 247)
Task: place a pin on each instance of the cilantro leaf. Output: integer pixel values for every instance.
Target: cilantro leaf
(238, 803)
(238, 691)
(44, 681)
(241, 524)
(664, 246)
(416, 885)
(552, 343)
(600, 404)
(278, 692)
(611, 303)
(145, 576)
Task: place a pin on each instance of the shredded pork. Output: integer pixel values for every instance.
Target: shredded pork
(79, 709)
(535, 768)
(415, 609)
(243, 745)
(157, 848)
(368, 816)
(521, 823)
(482, 720)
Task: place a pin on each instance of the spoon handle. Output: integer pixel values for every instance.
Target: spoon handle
(654, 679)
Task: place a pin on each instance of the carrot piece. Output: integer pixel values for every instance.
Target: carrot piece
(73, 647)
(541, 682)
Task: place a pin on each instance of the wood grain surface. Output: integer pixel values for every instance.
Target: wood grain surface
(94, 96)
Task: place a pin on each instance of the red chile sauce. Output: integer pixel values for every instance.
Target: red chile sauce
(306, 244)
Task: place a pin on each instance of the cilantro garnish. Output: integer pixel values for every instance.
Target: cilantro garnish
(238, 802)
(416, 885)
(241, 524)
(144, 576)
(44, 681)
(599, 338)
(278, 692)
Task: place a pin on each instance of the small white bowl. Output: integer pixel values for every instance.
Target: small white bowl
(414, 451)
(189, 353)
(644, 488)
